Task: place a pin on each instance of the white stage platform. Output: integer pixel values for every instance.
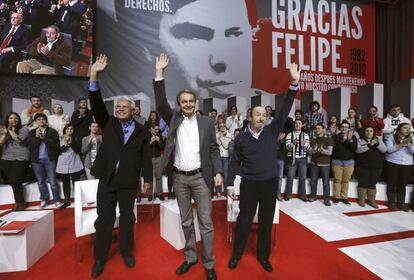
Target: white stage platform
(32, 191)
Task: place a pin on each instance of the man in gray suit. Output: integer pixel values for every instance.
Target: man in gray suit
(193, 151)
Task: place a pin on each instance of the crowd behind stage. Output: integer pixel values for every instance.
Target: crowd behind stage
(22, 39)
(56, 146)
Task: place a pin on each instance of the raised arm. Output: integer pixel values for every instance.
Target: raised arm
(161, 101)
(98, 107)
(278, 122)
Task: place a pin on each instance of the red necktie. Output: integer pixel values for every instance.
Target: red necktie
(7, 40)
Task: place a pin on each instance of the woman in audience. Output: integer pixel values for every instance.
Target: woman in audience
(223, 140)
(354, 120)
(369, 162)
(58, 119)
(235, 120)
(399, 165)
(15, 158)
(69, 164)
(246, 121)
(345, 145)
(153, 120)
(333, 127)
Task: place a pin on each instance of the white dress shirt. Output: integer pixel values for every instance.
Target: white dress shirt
(187, 147)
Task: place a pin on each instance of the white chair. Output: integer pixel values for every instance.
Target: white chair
(233, 211)
(85, 208)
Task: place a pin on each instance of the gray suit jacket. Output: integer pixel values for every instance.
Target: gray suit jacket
(209, 149)
(86, 149)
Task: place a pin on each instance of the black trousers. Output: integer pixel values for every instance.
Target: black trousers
(398, 177)
(252, 193)
(15, 171)
(107, 199)
(66, 181)
(368, 177)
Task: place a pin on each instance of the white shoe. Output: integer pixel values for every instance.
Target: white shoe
(58, 204)
(43, 204)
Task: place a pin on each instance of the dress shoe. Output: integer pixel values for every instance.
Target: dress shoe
(392, 206)
(303, 198)
(150, 198)
(184, 267)
(43, 204)
(346, 201)
(279, 197)
(312, 198)
(232, 263)
(129, 261)
(266, 265)
(65, 204)
(403, 207)
(161, 197)
(97, 269)
(20, 206)
(211, 274)
(327, 203)
(287, 197)
(335, 200)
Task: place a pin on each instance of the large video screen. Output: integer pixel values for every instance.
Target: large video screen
(47, 37)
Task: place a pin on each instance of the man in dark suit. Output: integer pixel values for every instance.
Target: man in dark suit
(193, 151)
(13, 39)
(68, 16)
(124, 153)
(36, 13)
(82, 118)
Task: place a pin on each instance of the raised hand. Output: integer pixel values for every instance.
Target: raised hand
(294, 73)
(99, 65)
(161, 62)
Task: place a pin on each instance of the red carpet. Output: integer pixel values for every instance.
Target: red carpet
(298, 254)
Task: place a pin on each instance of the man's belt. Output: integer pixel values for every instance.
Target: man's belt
(187, 173)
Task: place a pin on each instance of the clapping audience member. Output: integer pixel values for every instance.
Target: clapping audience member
(321, 150)
(49, 54)
(36, 14)
(58, 120)
(333, 127)
(69, 15)
(153, 119)
(297, 145)
(213, 115)
(223, 140)
(312, 118)
(374, 121)
(157, 145)
(44, 146)
(393, 119)
(29, 113)
(82, 118)
(369, 162)
(269, 114)
(137, 115)
(69, 164)
(90, 148)
(14, 38)
(354, 120)
(235, 120)
(399, 165)
(345, 145)
(247, 120)
(15, 157)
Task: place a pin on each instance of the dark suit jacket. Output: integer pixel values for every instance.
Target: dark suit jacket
(133, 156)
(209, 149)
(72, 22)
(37, 12)
(51, 140)
(81, 125)
(20, 39)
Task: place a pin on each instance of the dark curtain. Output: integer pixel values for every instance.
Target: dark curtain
(395, 44)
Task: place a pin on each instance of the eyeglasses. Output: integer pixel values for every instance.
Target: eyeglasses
(119, 107)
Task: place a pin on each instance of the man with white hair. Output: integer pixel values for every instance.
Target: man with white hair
(124, 153)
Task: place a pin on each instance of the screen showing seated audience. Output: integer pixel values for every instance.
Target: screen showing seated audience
(47, 37)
